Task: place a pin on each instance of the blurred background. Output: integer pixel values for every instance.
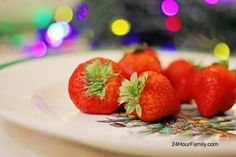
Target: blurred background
(41, 27)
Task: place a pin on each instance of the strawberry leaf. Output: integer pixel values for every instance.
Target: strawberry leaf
(130, 91)
(135, 48)
(96, 76)
(196, 65)
(129, 109)
(138, 110)
(224, 63)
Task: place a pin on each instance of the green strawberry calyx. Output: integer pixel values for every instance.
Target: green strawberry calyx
(196, 65)
(96, 76)
(130, 92)
(136, 48)
(224, 63)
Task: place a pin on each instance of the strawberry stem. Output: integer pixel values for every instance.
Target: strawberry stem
(96, 76)
(136, 48)
(130, 92)
(196, 65)
(224, 63)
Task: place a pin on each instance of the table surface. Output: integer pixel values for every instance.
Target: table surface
(17, 141)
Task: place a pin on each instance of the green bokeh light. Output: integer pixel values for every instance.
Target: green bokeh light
(43, 17)
(17, 40)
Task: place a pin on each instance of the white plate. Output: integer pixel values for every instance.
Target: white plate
(34, 94)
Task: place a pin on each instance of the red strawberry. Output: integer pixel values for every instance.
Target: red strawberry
(181, 74)
(149, 97)
(93, 86)
(214, 90)
(139, 61)
(149, 51)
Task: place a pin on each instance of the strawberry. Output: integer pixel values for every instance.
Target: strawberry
(149, 51)
(214, 90)
(149, 97)
(140, 61)
(93, 86)
(181, 73)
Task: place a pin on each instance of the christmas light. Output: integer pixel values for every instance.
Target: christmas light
(222, 51)
(170, 7)
(53, 43)
(173, 24)
(81, 11)
(55, 32)
(43, 17)
(18, 40)
(211, 2)
(131, 39)
(39, 49)
(66, 28)
(168, 47)
(64, 13)
(120, 27)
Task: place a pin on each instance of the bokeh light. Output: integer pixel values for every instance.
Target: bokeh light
(131, 39)
(81, 11)
(55, 32)
(66, 28)
(173, 24)
(120, 27)
(211, 2)
(228, 2)
(222, 51)
(74, 32)
(39, 49)
(169, 7)
(18, 40)
(92, 46)
(53, 43)
(40, 33)
(168, 47)
(43, 17)
(64, 13)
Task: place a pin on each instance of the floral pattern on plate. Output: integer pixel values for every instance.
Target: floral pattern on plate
(187, 123)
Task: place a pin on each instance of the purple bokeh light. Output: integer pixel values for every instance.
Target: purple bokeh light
(211, 2)
(131, 39)
(168, 47)
(170, 7)
(41, 32)
(81, 11)
(92, 46)
(74, 33)
(228, 2)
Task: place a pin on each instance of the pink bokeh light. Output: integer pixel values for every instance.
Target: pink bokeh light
(38, 49)
(170, 7)
(211, 2)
